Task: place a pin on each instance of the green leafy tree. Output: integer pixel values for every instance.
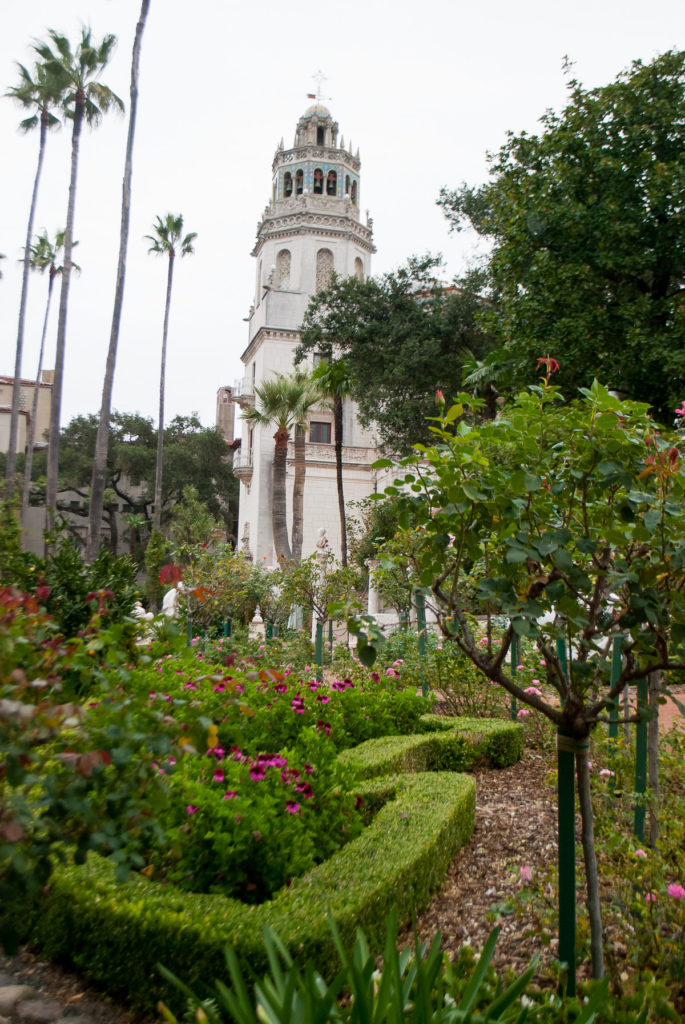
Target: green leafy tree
(40, 92)
(155, 556)
(191, 525)
(194, 455)
(577, 513)
(84, 98)
(401, 336)
(168, 240)
(588, 242)
(97, 486)
(44, 256)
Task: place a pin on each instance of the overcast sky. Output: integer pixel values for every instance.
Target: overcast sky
(423, 89)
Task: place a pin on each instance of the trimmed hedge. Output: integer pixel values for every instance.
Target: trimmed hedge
(451, 745)
(116, 933)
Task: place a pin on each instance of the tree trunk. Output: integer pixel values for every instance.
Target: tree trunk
(16, 390)
(55, 409)
(298, 492)
(279, 520)
(653, 757)
(98, 480)
(162, 375)
(590, 859)
(338, 424)
(28, 465)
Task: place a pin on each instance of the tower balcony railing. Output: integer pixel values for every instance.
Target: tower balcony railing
(243, 465)
(243, 392)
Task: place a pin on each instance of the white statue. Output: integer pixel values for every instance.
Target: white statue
(170, 602)
(245, 542)
(321, 544)
(140, 613)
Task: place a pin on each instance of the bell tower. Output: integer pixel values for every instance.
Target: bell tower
(309, 229)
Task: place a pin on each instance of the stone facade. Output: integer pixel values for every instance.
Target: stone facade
(310, 228)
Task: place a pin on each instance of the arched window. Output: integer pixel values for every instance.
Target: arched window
(331, 184)
(347, 184)
(353, 193)
(358, 269)
(299, 182)
(320, 136)
(287, 184)
(283, 269)
(324, 268)
(318, 181)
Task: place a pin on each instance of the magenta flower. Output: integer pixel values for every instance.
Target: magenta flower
(219, 775)
(305, 788)
(292, 808)
(675, 890)
(257, 773)
(219, 688)
(230, 794)
(308, 768)
(391, 672)
(281, 688)
(192, 809)
(323, 699)
(681, 410)
(324, 726)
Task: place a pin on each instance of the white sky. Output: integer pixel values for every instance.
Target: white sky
(423, 89)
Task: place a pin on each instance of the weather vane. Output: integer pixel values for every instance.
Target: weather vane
(319, 78)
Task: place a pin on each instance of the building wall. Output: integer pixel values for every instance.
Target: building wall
(27, 388)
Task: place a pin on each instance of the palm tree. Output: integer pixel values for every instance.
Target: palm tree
(43, 256)
(85, 98)
(281, 402)
(168, 240)
(306, 396)
(39, 93)
(333, 381)
(98, 480)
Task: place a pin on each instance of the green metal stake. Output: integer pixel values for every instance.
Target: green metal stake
(189, 629)
(641, 765)
(269, 631)
(227, 628)
(319, 652)
(616, 662)
(514, 652)
(330, 638)
(421, 627)
(566, 825)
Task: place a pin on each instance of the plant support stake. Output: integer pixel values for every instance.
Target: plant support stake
(641, 762)
(421, 629)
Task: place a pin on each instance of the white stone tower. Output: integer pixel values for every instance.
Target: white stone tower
(310, 228)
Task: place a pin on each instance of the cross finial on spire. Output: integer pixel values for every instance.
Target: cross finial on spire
(319, 78)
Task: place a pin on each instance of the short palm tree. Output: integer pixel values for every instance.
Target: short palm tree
(333, 381)
(41, 93)
(43, 256)
(168, 240)
(85, 98)
(281, 401)
(98, 478)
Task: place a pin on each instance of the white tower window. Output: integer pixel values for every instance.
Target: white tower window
(283, 269)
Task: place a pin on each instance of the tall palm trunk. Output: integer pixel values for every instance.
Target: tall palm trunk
(338, 426)
(16, 390)
(279, 522)
(298, 492)
(28, 467)
(162, 375)
(97, 484)
(55, 409)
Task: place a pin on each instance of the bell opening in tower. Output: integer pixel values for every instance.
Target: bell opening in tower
(320, 136)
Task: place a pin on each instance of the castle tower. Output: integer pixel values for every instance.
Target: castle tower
(310, 228)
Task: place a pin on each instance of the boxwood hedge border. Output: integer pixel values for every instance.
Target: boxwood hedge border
(117, 933)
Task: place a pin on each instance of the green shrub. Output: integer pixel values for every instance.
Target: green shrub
(456, 745)
(117, 933)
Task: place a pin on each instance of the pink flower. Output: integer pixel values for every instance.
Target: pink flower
(192, 809)
(218, 775)
(675, 890)
(535, 682)
(230, 794)
(640, 854)
(606, 773)
(257, 773)
(525, 873)
(650, 897)
(400, 661)
(523, 713)
(292, 808)
(533, 689)
(543, 663)
(391, 672)
(519, 668)
(681, 410)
